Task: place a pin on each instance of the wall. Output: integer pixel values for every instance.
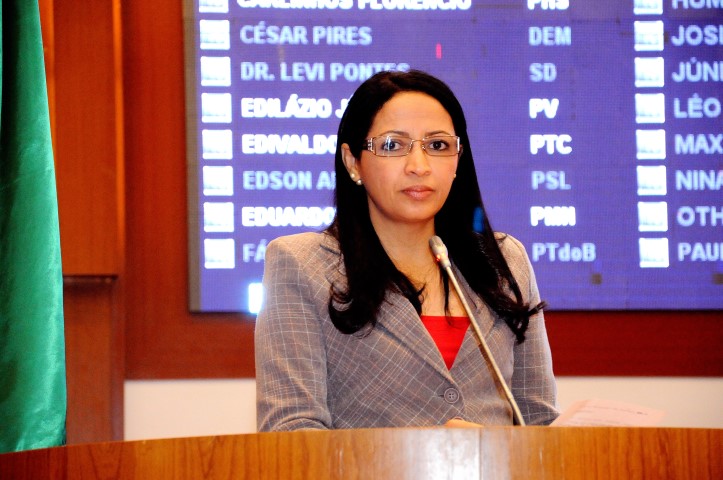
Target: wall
(181, 408)
(166, 341)
(116, 83)
(82, 42)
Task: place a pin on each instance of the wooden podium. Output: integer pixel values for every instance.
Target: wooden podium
(396, 454)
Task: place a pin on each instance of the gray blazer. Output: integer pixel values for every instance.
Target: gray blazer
(311, 376)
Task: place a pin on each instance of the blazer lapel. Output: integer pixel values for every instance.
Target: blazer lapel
(399, 318)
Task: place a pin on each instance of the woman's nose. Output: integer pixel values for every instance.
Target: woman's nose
(417, 160)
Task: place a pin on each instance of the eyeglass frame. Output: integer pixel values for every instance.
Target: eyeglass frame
(369, 145)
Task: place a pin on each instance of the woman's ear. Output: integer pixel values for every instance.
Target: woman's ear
(349, 162)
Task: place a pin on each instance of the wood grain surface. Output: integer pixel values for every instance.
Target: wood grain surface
(397, 454)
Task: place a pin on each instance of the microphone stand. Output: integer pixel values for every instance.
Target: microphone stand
(440, 253)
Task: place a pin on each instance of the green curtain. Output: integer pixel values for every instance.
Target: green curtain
(32, 344)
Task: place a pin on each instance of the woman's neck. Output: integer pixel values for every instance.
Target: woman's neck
(408, 247)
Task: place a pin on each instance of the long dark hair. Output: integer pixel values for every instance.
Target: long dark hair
(462, 222)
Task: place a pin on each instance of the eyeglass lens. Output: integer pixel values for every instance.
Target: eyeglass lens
(395, 146)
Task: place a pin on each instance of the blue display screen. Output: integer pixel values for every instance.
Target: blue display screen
(595, 127)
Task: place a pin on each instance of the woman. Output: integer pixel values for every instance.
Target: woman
(359, 327)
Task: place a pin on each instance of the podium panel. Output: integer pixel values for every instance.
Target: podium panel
(397, 454)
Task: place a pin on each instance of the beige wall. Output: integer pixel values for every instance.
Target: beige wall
(180, 408)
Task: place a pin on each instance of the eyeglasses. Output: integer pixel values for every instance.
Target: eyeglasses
(398, 146)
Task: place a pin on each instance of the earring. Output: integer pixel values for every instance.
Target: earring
(352, 175)
(358, 182)
(455, 176)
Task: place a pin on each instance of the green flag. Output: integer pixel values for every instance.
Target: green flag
(32, 344)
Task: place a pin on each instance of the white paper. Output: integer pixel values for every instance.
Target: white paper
(608, 413)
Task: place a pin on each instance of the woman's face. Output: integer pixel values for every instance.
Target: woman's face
(410, 189)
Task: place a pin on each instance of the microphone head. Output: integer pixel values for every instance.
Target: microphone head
(439, 250)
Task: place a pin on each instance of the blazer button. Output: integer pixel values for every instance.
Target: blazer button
(451, 395)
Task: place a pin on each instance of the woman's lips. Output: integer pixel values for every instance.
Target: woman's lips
(418, 192)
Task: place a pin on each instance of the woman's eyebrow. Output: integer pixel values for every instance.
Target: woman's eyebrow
(406, 134)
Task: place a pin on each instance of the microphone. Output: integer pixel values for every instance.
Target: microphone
(440, 254)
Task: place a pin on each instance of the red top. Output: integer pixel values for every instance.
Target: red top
(447, 333)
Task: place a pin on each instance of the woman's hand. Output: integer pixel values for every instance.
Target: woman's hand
(459, 423)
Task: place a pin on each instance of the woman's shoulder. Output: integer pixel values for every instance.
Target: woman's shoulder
(311, 255)
(514, 252)
(509, 245)
(305, 244)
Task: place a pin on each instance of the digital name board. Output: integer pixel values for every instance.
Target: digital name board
(596, 130)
